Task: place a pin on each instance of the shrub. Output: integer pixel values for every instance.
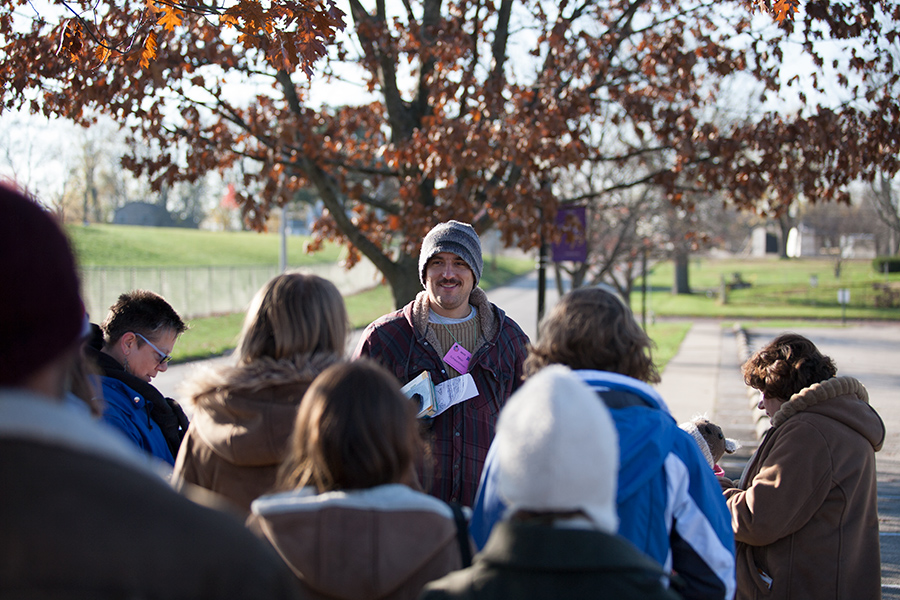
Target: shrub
(892, 263)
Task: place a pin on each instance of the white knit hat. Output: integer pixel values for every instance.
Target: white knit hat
(558, 449)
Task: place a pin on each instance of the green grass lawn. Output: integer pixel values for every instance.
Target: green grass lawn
(667, 336)
(132, 246)
(779, 289)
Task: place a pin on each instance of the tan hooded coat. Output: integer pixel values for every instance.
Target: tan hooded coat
(381, 543)
(243, 419)
(806, 512)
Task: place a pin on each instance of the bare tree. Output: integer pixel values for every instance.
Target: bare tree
(887, 207)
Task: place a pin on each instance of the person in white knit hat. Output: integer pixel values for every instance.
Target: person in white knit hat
(668, 500)
(558, 451)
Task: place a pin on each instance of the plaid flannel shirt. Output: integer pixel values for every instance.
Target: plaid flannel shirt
(460, 437)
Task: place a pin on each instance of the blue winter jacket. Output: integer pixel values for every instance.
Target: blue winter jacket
(129, 412)
(670, 504)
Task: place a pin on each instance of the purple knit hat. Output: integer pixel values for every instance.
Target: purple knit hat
(41, 312)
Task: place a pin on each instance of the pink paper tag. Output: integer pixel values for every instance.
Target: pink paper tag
(458, 358)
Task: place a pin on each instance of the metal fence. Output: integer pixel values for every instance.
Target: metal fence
(202, 291)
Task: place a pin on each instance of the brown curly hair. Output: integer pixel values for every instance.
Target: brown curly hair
(788, 364)
(591, 328)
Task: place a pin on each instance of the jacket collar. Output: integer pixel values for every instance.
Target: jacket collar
(818, 393)
(212, 382)
(843, 399)
(601, 381)
(538, 547)
(490, 318)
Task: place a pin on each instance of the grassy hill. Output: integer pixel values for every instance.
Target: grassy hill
(132, 246)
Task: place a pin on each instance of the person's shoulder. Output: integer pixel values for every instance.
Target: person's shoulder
(399, 315)
(388, 324)
(508, 326)
(117, 394)
(186, 545)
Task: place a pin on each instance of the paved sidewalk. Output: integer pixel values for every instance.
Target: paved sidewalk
(704, 377)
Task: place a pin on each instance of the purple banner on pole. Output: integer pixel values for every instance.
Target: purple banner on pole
(572, 221)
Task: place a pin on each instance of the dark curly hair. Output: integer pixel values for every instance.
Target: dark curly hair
(591, 328)
(788, 364)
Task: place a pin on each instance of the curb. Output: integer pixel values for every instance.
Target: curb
(761, 421)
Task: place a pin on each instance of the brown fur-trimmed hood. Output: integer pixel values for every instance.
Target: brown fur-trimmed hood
(246, 413)
(843, 399)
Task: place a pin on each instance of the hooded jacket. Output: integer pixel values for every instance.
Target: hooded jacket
(242, 423)
(384, 542)
(806, 511)
(668, 500)
(406, 345)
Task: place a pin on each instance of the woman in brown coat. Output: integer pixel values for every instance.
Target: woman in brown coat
(243, 415)
(805, 514)
(346, 519)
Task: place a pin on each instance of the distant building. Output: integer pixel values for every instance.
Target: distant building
(143, 213)
(763, 242)
(802, 241)
(858, 245)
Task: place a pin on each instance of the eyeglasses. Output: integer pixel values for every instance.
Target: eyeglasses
(164, 357)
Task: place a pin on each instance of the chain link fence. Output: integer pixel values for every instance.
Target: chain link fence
(203, 291)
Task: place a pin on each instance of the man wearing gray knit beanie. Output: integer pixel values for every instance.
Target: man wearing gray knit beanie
(451, 331)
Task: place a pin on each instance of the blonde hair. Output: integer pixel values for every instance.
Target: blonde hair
(355, 429)
(294, 315)
(591, 328)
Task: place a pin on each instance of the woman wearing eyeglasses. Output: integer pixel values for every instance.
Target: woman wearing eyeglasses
(132, 345)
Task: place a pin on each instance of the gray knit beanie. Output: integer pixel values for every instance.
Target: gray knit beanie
(455, 237)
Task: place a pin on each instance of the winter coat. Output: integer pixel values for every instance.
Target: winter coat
(241, 427)
(525, 561)
(805, 514)
(129, 412)
(405, 343)
(164, 412)
(669, 503)
(83, 515)
(381, 543)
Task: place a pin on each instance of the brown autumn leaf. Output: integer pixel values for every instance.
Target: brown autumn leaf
(446, 123)
(149, 51)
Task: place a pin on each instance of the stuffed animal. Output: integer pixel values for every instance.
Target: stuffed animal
(711, 440)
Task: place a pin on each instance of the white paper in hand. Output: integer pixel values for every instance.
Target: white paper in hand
(453, 391)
